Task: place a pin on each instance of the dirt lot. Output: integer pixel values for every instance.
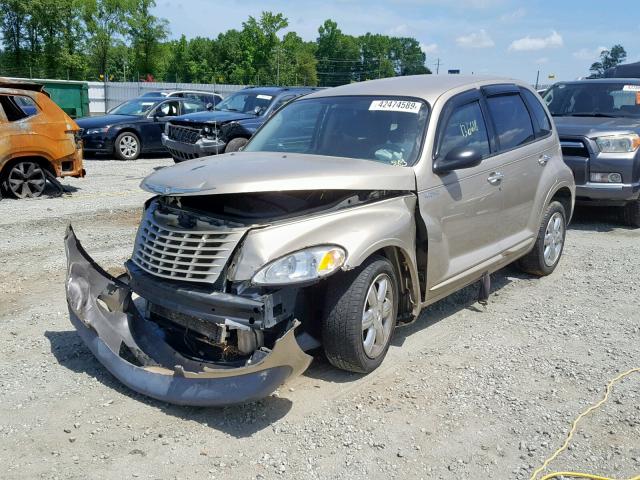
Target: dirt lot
(465, 392)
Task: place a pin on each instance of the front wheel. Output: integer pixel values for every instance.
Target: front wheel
(127, 146)
(361, 314)
(235, 144)
(546, 253)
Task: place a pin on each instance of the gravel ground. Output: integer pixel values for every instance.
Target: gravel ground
(465, 392)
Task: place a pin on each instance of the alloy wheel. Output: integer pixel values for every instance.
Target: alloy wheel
(26, 180)
(128, 146)
(553, 239)
(378, 315)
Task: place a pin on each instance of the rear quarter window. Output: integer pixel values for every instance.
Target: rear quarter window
(18, 107)
(537, 110)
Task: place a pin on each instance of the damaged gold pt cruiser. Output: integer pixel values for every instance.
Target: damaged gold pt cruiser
(347, 213)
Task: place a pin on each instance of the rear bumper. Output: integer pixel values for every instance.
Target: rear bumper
(71, 166)
(188, 151)
(110, 323)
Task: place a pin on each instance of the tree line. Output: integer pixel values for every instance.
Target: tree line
(121, 40)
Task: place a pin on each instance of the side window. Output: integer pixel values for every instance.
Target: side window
(465, 128)
(17, 107)
(191, 107)
(544, 125)
(281, 101)
(511, 119)
(170, 109)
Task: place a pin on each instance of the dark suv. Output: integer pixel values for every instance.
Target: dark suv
(227, 127)
(599, 125)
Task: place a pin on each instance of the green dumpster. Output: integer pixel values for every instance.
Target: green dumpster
(72, 97)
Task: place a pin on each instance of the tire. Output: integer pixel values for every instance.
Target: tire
(348, 344)
(25, 179)
(127, 146)
(631, 213)
(546, 252)
(235, 144)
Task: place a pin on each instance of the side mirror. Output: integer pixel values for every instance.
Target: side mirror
(159, 114)
(458, 158)
(209, 106)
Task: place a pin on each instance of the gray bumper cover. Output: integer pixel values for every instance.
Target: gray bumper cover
(103, 312)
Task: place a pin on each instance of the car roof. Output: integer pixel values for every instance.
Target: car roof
(426, 87)
(628, 81)
(277, 90)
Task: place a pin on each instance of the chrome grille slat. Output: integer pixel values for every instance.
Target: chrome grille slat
(195, 254)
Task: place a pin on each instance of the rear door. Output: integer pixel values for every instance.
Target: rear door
(524, 148)
(462, 207)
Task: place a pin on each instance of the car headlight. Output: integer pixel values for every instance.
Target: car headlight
(96, 131)
(612, 177)
(618, 143)
(302, 266)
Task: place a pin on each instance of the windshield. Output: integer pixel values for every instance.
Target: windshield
(246, 102)
(593, 99)
(384, 129)
(134, 107)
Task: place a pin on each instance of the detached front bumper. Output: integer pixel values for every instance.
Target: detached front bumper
(133, 348)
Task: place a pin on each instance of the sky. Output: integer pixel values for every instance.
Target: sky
(484, 37)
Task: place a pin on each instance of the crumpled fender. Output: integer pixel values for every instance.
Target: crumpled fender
(134, 351)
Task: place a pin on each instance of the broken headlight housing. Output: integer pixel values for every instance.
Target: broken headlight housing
(302, 266)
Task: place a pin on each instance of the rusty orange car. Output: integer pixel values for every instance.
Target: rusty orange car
(38, 141)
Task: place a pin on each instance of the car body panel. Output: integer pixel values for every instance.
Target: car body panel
(240, 172)
(47, 134)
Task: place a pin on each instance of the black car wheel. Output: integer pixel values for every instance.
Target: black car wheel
(235, 144)
(546, 252)
(127, 146)
(26, 179)
(362, 307)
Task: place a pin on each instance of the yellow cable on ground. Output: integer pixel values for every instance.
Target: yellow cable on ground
(573, 430)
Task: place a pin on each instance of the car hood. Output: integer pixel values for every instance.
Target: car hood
(213, 116)
(104, 120)
(244, 172)
(595, 126)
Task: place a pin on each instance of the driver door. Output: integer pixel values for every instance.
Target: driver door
(461, 208)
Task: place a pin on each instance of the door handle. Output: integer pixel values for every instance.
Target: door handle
(495, 178)
(543, 159)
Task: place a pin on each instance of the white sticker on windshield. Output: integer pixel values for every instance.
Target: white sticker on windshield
(265, 97)
(396, 106)
(631, 88)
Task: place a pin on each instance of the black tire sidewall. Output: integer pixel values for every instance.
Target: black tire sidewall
(351, 301)
(116, 147)
(551, 210)
(233, 142)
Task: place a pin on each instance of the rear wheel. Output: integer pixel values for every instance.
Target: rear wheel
(127, 146)
(631, 213)
(26, 179)
(362, 307)
(546, 253)
(235, 144)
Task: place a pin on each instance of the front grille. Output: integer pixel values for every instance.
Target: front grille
(574, 148)
(183, 134)
(166, 249)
